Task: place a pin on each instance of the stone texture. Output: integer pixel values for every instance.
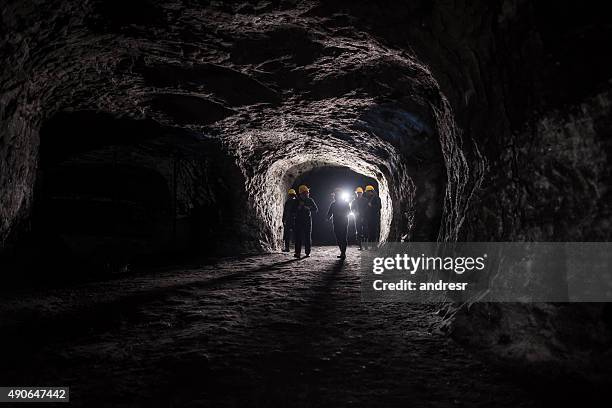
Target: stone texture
(485, 120)
(322, 92)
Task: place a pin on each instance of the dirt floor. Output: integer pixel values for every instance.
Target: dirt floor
(256, 332)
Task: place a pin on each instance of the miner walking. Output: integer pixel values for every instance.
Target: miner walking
(304, 207)
(339, 211)
(288, 219)
(358, 207)
(372, 214)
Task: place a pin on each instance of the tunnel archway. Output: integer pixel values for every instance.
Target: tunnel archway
(386, 118)
(283, 173)
(113, 191)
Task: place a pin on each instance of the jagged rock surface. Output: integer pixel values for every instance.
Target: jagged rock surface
(489, 118)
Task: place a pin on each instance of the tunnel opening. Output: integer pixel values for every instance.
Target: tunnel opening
(419, 169)
(322, 181)
(323, 169)
(98, 207)
(113, 194)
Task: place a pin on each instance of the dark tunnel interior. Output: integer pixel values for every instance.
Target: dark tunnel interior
(111, 192)
(104, 208)
(146, 150)
(96, 206)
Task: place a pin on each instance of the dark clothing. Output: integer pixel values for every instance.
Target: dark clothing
(303, 236)
(339, 212)
(289, 210)
(303, 208)
(288, 222)
(361, 230)
(373, 230)
(359, 205)
(372, 218)
(287, 233)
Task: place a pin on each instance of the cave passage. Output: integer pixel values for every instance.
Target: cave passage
(98, 203)
(322, 181)
(146, 150)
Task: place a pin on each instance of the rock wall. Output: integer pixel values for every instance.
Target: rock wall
(552, 184)
(326, 92)
(483, 120)
(553, 181)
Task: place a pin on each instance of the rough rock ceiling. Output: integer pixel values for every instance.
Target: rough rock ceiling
(275, 86)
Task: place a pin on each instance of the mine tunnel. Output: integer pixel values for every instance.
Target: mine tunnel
(112, 190)
(147, 150)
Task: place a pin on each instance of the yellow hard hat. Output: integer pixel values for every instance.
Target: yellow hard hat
(369, 188)
(359, 190)
(303, 189)
(291, 192)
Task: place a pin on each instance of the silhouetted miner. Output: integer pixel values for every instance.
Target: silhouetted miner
(372, 214)
(304, 206)
(339, 211)
(358, 206)
(288, 219)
